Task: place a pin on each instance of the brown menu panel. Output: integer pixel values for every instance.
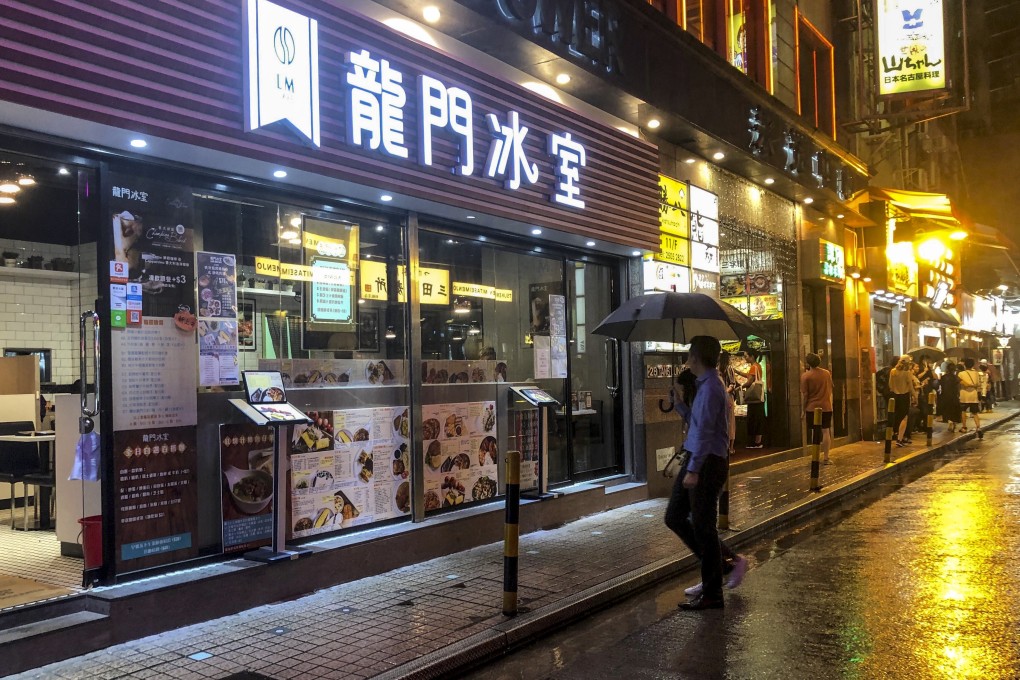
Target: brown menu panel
(175, 70)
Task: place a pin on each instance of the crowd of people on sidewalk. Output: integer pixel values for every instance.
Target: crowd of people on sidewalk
(962, 390)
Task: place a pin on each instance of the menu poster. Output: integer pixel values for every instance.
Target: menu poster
(461, 453)
(155, 384)
(526, 434)
(543, 356)
(330, 373)
(246, 326)
(152, 234)
(217, 319)
(246, 495)
(156, 496)
(539, 310)
(349, 468)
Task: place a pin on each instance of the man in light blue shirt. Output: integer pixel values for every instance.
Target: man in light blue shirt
(694, 504)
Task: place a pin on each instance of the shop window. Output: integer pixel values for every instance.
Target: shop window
(815, 77)
(741, 31)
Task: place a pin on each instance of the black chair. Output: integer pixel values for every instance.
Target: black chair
(39, 480)
(18, 459)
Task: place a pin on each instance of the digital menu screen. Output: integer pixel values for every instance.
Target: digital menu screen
(264, 387)
(281, 413)
(537, 396)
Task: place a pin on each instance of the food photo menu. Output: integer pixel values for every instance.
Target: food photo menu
(349, 468)
(461, 453)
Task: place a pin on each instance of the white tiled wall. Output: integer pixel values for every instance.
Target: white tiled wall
(43, 313)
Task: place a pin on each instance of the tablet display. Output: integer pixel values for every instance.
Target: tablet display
(281, 413)
(264, 387)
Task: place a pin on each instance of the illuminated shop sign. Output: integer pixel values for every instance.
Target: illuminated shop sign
(911, 46)
(666, 277)
(282, 84)
(902, 268)
(705, 282)
(674, 217)
(704, 210)
(833, 261)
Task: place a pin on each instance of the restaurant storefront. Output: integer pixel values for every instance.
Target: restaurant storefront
(398, 229)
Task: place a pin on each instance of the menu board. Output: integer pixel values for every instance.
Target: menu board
(152, 235)
(217, 319)
(247, 485)
(349, 468)
(154, 384)
(461, 453)
(452, 372)
(525, 424)
(156, 496)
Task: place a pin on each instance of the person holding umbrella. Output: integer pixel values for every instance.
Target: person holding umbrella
(693, 507)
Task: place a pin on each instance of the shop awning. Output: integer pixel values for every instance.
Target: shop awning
(922, 312)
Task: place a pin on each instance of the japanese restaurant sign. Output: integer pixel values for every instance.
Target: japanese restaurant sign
(674, 217)
(911, 51)
(704, 210)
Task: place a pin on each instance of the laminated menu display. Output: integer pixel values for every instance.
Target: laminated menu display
(461, 453)
(329, 373)
(217, 319)
(349, 468)
(246, 464)
(462, 372)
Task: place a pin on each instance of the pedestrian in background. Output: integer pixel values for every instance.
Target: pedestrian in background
(927, 380)
(903, 386)
(729, 379)
(754, 397)
(693, 508)
(815, 393)
(970, 396)
(949, 397)
(987, 386)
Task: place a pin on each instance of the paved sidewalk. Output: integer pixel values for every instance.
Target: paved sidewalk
(426, 619)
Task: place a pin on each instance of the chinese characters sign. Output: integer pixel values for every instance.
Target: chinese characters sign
(833, 262)
(911, 46)
(673, 215)
(704, 211)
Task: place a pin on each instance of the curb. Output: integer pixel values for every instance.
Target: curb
(513, 633)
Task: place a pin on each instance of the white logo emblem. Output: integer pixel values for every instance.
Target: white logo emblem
(282, 68)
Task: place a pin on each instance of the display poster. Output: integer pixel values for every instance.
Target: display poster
(661, 276)
(742, 303)
(217, 319)
(461, 453)
(327, 373)
(152, 235)
(911, 46)
(673, 215)
(732, 285)
(442, 372)
(538, 306)
(331, 291)
(349, 468)
(765, 307)
(543, 357)
(246, 336)
(557, 336)
(155, 496)
(526, 436)
(155, 381)
(247, 486)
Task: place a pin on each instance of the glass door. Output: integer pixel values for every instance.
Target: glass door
(594, 375)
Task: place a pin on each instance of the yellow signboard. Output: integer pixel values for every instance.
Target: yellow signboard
(477, 290)
(503, 295)
(674, 250)
(267, 266)
(911, 52)
(434, 286)
(375, 283)
(674, 217)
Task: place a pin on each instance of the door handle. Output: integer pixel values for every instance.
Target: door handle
(612, 366)
(85, 422)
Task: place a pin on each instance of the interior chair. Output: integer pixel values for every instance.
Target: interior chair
(18, 459)
(37, 480)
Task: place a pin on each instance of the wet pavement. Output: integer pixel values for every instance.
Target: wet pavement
(922, 583)
(780, 619)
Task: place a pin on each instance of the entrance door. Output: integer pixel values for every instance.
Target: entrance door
(596, 449)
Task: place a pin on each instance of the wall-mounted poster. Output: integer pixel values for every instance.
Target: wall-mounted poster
(461, 453)
(246, 332)
(152, 235)
(247, 486)
(218, 336)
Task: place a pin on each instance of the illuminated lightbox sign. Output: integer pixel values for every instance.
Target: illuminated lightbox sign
(282, 68)
(833, 261)
(662, 276)
(911, 51)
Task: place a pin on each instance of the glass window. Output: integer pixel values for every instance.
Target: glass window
(815, 85)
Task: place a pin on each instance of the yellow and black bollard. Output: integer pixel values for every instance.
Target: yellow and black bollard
(816, 442)
(890, 413)
(931, 416)
(511, 532)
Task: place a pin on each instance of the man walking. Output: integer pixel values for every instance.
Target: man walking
(693, 507)
(815, 393)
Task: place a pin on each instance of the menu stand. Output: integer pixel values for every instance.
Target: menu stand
(279, 551)
(546, 405)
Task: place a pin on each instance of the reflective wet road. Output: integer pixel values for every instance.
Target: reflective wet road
(922, 583)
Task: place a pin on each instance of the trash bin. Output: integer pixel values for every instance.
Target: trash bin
(92, 540)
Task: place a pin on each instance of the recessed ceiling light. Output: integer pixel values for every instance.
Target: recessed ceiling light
(431, 14)
(279, 174)
(809, 200)
(839, 216)
(636, 253)
(63, 171)
(688, 161)
(654, 123)
(380, 227)
(470, 217)
(6, 200)
(718, 155)
(295, 241)
(536, 231)
(26, 180)
(9, 188)
(289, 233)
(295, 221)
(386, 198)
(769, 180)
(562, 79)
(482, 238)
(590, 244)
(139, 143)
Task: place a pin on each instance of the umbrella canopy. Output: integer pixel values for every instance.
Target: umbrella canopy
(929, 353)
(962, 353)
(676, 318)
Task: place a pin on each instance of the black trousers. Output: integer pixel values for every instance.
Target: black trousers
(692, 515)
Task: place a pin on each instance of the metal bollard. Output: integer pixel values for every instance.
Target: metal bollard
(816, 436)
(724, 503)
(511, 532)
(890, 411)
(931, 416)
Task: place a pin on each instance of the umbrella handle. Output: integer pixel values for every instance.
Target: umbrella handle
(666, 408)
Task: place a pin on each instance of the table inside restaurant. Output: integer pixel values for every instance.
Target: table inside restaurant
(46, 465)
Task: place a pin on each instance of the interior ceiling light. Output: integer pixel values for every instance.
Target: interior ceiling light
(461, 307)
(590, 244)
(769, 180)
(654, 123)
(26, 180)
(295, 221)
(474, 330)
(295, 241)
(139, 143)
(9, 188)
(7, 200)
(839, 216)
(562, 79)
(958, 235)
(866, 279)
(470, 217)
(63, 171)
(289, 233)
(390, 333)
(718, 155)
(691, 160)
(536, 231)
(431, 14)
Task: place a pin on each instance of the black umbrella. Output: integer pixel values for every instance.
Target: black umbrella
(962, 353)
(676, 318)
(930, 353)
